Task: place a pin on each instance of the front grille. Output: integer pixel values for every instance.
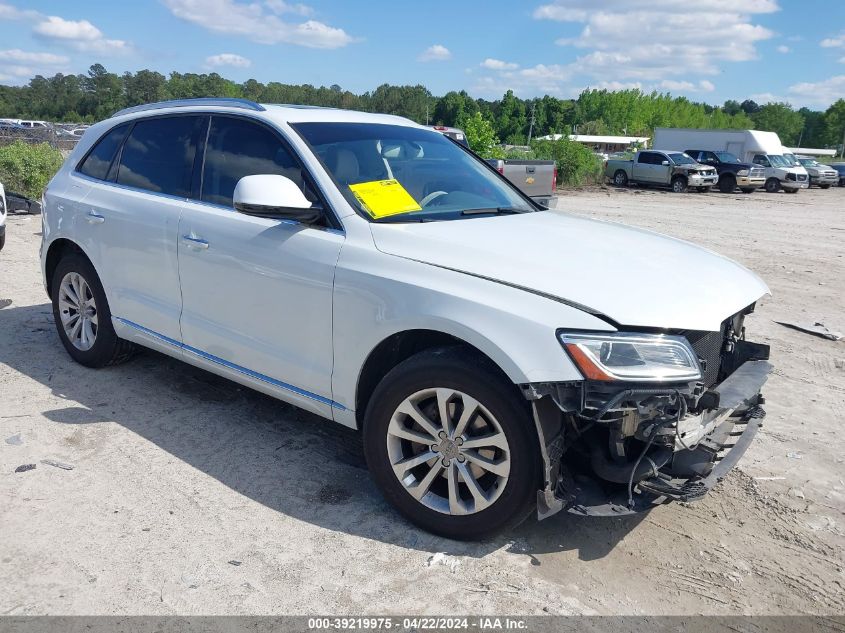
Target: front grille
(757, 173)
(708, 347)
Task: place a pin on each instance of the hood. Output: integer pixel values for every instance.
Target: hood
(633, 276)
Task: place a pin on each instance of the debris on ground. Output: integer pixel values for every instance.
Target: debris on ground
(24, 467)
(14, 440)
(441, 558)
(817, 329)
(794, 455)
(236, 563)
(57, 464)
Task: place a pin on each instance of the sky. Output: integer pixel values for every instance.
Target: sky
(707, 50)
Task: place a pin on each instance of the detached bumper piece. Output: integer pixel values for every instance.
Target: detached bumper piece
(690, 474)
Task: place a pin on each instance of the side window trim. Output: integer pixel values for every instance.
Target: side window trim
(111, 174)
(77, 169)
(331, 217)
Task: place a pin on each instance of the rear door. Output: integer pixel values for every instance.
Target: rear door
(644, 166)
(135, 212)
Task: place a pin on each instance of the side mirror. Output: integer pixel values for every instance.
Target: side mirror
(273, 196)
(665, 163)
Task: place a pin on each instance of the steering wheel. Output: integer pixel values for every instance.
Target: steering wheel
(434, 195)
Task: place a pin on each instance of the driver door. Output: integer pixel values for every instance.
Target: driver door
(257, 292)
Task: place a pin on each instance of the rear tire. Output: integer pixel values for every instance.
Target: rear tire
(679, 184)
(82, 315)
(454, 379)
(727, 184)
(772, 185)
(620, 179)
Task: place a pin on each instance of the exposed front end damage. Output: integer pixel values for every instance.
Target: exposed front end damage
(614, 447)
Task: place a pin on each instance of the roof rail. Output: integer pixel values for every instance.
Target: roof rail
(246, 104)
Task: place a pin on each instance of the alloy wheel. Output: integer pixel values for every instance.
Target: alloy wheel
(448, 451)
(78, 311)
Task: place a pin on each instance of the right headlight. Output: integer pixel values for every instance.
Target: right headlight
(632, 357)
(742, 172)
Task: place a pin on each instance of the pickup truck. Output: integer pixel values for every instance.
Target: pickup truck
(823, 176)
(667, 169)
(537, 179)
(732, 172)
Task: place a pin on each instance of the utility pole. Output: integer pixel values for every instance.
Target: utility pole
(531, 127)
(426, 114)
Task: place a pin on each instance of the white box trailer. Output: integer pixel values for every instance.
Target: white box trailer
(751, 146)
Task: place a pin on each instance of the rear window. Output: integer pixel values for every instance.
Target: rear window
(159, 154)
(99, 159)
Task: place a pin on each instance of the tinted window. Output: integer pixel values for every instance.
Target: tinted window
(647, 158)
(159, 155)
(238, 148)
(696, 155)
(99, 159)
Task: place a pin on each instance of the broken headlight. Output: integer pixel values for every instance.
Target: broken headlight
(632, 357)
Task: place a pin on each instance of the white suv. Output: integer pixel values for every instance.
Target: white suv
(497, 357)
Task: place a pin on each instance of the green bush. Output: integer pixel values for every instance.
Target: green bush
(576, 165)
(27, 169)
(481, 137)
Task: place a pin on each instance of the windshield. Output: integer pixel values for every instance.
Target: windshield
(808, 162)
(727, 157)
(790, 158)
(779, 161)
(681, 159)
(395, 173)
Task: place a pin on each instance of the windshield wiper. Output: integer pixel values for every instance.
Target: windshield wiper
(493, 211)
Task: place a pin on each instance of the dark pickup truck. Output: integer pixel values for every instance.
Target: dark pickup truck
(732, 173)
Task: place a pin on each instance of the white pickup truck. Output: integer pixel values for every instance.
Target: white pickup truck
(667, 169)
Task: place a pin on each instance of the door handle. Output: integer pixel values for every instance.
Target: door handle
(94, 218)
(196, 243)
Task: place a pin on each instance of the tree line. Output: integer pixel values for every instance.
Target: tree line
(99, 93)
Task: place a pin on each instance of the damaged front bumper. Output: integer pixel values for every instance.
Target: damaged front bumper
(716, 438)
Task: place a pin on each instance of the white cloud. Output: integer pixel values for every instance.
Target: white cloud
(842, 60)
(8, 12)
(783, 49)
(436, 53)
(687, 86)
(833, 42)
(581, 10)
(498, 64)
(227, 59)
(46, 59)
(822, 92)
(254, 23)
(656, 44)
(768, 97)
(280, 7)
(78, 34)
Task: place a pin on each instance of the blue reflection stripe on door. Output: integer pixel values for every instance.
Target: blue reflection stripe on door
(238, 368)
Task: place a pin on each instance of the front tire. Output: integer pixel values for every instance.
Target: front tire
(451, 444)
(727, 184)
(679, 184)
(82, 315)
(772, 185)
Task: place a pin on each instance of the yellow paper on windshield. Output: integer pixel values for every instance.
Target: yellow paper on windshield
(382, 198)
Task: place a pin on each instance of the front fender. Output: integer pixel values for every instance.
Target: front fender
(378, 295)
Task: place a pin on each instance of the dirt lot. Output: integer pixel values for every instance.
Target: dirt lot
(192, 495)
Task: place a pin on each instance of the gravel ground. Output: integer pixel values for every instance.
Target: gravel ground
(191, 495)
